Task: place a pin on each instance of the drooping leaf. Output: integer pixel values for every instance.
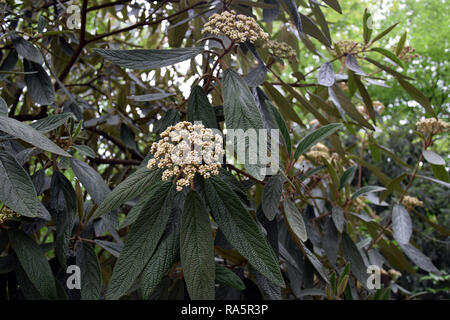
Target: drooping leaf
(241, 230)
(197, 248)
(325, 76)
(352, 64)
(286, 108)
(51, 122)
(242, 116)
(337, 215)
(34, 263)
(294, 220)
(16, 189)
(421, 260)
(389, 55)
(352, 255)
(91, 180)
(151, 96)
(228, 277)
(39, 84)
(272, 195)
(295, 16)
(416, 95)
(440, 172)
(148, 58)
(128, 189)
(142, 241)
(401, 224)
(199, 108)
(3, 108)
(162, 260)
(316, 136)
(28, 134)
(334, 4)
(366, 189)
(84, 150)
(347, 176)
(256, 76)
(27, 50)
(310, 27)
(91, 278)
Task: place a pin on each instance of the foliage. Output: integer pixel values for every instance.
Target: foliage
(88, 88)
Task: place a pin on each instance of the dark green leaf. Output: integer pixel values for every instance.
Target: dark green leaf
(352, 255)
(401, 224)
(39, 84)
(148, 58)
(384, 32)
(128, 189)
(3, 108)
(316, 136)
(51, 122)
(34, 263)
(28, 134)
(433, 158)
(416, 95)
(295, 16)
(421, 260)
(334, 4)
(228, 277)
(91, 278)
(389, 55)
(347, 176)
(199, 108)
(241, 230)
(142, 241)
(197, 248)
(272, 195)
(337, 216)
(27, 50)
(84, 150)
(440, 172)
(294, 220)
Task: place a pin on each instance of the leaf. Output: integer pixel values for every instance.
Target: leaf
(401, 224)
(28, 134)
(366, 189)
(337, 216)
(389, 55)
(384, 32)
(65, 213)
(228, 277)
(142, 241)
(199, 108)
(197, 248)
(295, 16)
(127, 136)
(39, 84)
(314, 261)
(256, 76)
(342, 101)
(440, 172)
(445, 184)
(421, 260)
(128, 189)
(241, 230)
(151, 96)
(8, 64)
(34, 263)
(241, 112)
(367, 26)
(112, 247)
(283, 104)
(294, 220)
(416, 95)
(401, 44)
(84, 150)
(325, 76)
(433, 158)
(3, 108)
(352, 64)
(334, 4)
(283, 128)
(310, 27)
(16, 189)
(352, 255)
(27, 50)
(272, 195)
(51, 122)
(148, 58)
(330, 241)
(316, 136)
(162, 260)
(91, 180)
(387, 69)
(91, 278)
(347, 176)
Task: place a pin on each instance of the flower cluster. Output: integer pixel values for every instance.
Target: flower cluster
(432, 126)
(411, 202)
(6, 213)
(186, 149)
(408, 53)
(237, 27)
(358, 204)
(318, 152)
(349, 46)
(281, 50)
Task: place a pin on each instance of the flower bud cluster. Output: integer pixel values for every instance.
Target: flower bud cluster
(377, 105)
(281, 50)
(318, 152)
(411, 202)
(408, 53)
(186, 149)
(432, 126)
(358, 204)
(349, 46)
(237, 27)
(6, 213)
